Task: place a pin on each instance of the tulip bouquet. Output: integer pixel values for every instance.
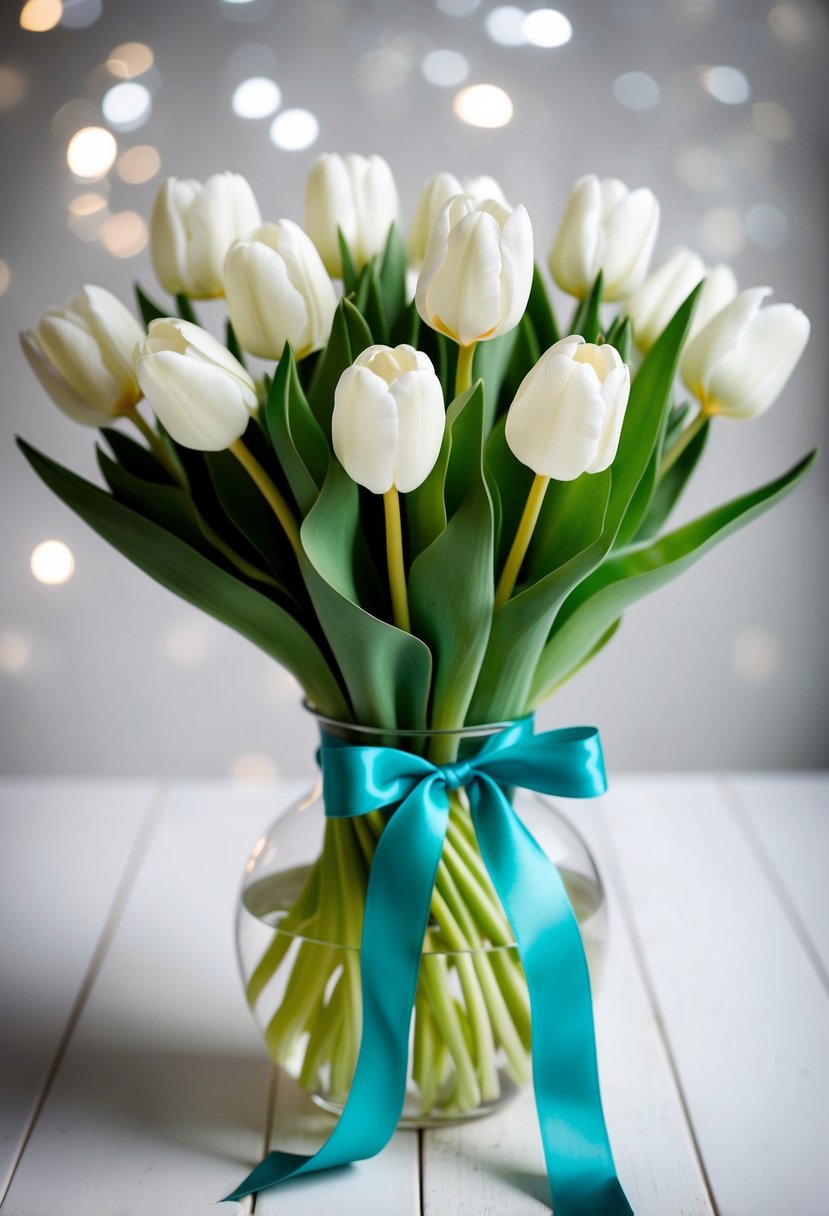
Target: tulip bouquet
(432, 510)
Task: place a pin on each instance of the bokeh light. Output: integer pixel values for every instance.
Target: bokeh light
(458, 8)
(445, 68)
(771, 120)
(127, 105)
(505, 25)
(13, 85)
(138, 164)
(483, 105)
(294, 130)
(38, 16)
(15, 649)
(257, 97)
(130, 59)
(767, 226)
(124, 234)
(91, 152)
(723, 232)
(727, 85)
(79, 14)
(52, 562)
(636, 91)
(253, 766)
(547, 27)
(755, 655)
(5, 276)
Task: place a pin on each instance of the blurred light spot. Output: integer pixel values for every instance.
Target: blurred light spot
(13, 85)
(293, 130)
(755, 655)
(14, 650)
(723, 231)
(52, 562)
(752, 153)
(124, 234)
(91, 152)
(505, 25)
(38, 16)
(126, 106)
(86, 204)
(254, 766)
(383, 69)
(138, 164)
(257, 97)
(78, 14)
(767, 226)
(483, 105)
(547, 27)
(72, 115)
(458, 8)
(771, 120)
(188, 643)
(701, 168)
(89, 227)
(130, 59)
(445, 68)
(636, 91)
(5, 277)
(726, 84)
(788, 23)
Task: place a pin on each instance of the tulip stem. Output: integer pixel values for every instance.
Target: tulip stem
(690, 433)
(269, 492)
(394, 556)
(463, 375)
(157, 447)
(523, 536)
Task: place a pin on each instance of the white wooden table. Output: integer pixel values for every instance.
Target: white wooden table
(133, 1081)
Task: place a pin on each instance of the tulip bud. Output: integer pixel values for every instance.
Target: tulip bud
(478, 270)
(436, 194)
(739, 362)
(567, 415)
(192, 226)
(200, 393)
(604, 227)
(655, 301)
(357, 195)
(278, 291)
(82, 356)
(719, 289)
(389, 418)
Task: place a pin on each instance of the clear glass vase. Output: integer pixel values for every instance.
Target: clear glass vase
(298, 934)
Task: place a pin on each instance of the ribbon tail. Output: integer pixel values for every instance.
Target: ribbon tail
(580, 1167)
(394, 924)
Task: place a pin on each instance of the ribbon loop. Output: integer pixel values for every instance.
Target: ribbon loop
(357, 780)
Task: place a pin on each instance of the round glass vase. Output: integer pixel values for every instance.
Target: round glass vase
(298, 929)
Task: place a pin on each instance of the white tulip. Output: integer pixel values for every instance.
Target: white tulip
(605, 227)
(389, 418)
(82, 356)
(192, 226)
(478, 270)
(278, 291)
(719, 289)
(567, 415)
(655, 301)
(436, 194)
(357, 195)
(200, 393)
(739, 362)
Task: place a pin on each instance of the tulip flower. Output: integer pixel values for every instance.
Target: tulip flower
(565, 420)
(201, 394)
(357, 195)
(605, 227)
(278, 291)
(477, 275)
(436, 194)
(739, 362)
(82, 356)
(719, 289)
(192, 226)
(387, 430)
(655, 301)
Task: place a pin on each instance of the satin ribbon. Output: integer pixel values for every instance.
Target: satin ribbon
(357, 780)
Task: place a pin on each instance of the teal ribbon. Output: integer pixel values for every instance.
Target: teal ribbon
(357, 780)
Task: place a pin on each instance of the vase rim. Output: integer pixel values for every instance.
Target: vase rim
(468, 732)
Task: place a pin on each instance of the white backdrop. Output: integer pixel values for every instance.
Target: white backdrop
(726, 667)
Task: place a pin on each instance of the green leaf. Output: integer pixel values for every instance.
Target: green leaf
(135, 458)
(601, 599)
(451, 587)
(349, 337)
(196, 579)
(570, 519)
(149, 310)
(165, 504)
(297, 439)
(586, 319)
(369, 304)
(425, 507)
(392, 279)
(619, 335)
(185, 309)
(509, 482)
(465, 424)
(350, 275)
(525, 354)
(491, 364)
(541, 313)
(232, 343)
(670, 488)
(387, 672)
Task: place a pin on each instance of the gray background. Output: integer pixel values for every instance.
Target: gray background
(724, 668)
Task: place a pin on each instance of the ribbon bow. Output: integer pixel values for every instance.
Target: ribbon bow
(357, 780)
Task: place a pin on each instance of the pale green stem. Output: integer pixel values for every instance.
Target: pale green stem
(521, 543)
(269, 492)
(691, 431)
(463, 374)
(394, 557)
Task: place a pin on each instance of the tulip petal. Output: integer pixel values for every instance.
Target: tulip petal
(196, 401)
(629, 235)
(69, 345)
(67, 398)
(517, 265)
(464, 298)
(714, 341)
(615, 393)
(555, 422)
(574, 258)
(751, 376)
(421, 423)
(364, 429)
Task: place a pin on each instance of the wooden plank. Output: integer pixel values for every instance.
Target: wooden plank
(789, 815)
(160, 1103)
(496, 1166)
(746, 1016)
(65, 846)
